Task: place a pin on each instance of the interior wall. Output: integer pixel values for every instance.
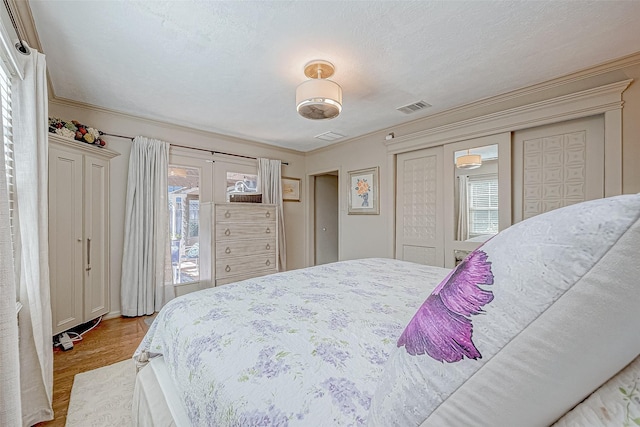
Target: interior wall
(361, 236)
(366, 236)
(121, 124)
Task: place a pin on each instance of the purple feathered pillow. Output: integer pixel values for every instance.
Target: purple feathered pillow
(442, 327)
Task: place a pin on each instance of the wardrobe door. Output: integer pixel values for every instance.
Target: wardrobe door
(557, 165)
(419, 215)
(96, 242)
(65, 238)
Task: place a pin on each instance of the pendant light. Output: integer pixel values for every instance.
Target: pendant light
(319, 98)
(469, 161)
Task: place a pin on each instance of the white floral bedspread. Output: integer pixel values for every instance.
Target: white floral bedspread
(305, 347)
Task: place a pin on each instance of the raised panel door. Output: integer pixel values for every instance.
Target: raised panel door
(65, 238)
(96, 242)
(557, 165)
(419, 218)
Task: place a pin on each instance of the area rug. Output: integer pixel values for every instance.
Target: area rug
(102, 397)
(149, 319)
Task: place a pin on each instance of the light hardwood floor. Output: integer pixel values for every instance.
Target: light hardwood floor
(111, 341)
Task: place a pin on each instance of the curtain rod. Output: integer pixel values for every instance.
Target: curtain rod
(20, 45)
(191, 148)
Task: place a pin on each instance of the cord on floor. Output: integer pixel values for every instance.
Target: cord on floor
(75, 336)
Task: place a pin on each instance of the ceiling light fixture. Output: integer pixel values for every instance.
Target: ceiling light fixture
(469, 161)
(319, 98)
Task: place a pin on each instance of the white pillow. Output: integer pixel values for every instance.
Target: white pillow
(526, 327)
(617, 402)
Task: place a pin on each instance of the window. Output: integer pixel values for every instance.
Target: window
(241, 183)
(184, 223)
(7, 139)
(483, 205)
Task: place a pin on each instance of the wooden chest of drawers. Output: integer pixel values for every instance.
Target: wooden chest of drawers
(245, 241)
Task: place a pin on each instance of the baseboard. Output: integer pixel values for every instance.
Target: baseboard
(112, 315)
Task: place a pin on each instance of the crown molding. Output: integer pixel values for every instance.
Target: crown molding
(81, 146)
(168, 125)
(580, 104)
(586, 73)
(597, 70)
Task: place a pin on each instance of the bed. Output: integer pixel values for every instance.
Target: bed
(521, 331)
(306, 345)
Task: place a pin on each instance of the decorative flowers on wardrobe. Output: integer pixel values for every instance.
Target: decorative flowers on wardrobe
(76, 130)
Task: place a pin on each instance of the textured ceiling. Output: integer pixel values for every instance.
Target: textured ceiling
(231, 67)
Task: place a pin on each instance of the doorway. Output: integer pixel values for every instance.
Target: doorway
(325, 217)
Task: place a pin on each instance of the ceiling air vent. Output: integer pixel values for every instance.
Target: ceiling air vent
(330, 136)
(412, 108)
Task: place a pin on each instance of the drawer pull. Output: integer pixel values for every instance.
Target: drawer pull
(227, 214)
(227, 269)
(268, 246)
(268, 231)
(227, 251)
(268, 263)
(227, 232)
(268, 214)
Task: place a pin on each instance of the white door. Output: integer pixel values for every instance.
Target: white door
(326, 218)
(65, 238)
(419, 214)
(557, 165)
(96, 238)
(190, 194)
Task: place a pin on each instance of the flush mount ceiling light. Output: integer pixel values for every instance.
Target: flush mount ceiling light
(469, 161)
(319, 98)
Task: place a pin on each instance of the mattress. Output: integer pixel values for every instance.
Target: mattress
(155, 402)
(305, 346)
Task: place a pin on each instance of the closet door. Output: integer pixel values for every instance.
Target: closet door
(419, 215)
(96, 242)
(477, 198)
(557, 165)
(65, 238)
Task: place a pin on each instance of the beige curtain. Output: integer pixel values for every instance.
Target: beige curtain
(270, 185)
(30, 123)
(462, 233)
(146, 228)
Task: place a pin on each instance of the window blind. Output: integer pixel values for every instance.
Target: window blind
(7, 139)
(483, 205)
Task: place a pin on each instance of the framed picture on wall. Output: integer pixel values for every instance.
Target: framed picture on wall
(364, 192)
(290, 189)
